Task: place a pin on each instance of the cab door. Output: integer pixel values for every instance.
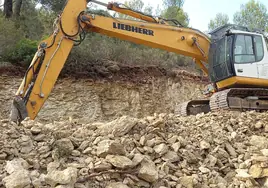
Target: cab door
(261, 55)
(244, 56)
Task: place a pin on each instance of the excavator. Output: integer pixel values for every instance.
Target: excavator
(234, 58)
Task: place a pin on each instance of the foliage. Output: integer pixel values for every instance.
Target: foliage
(220, 20)
(253, 15)
(22, 52)
(173, 3)
(20, 37)
(54, 5)
(137, 5)
(173, 10)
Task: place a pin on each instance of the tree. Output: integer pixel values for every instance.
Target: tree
(253, 15)
(174, 3)
(54, 5)
(219, 20)
(137, 5)
(173, 10)
(8, 8)
(17, 8)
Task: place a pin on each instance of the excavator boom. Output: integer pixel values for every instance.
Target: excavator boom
(70, 29)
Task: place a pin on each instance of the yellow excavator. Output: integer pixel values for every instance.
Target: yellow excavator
(236, 57)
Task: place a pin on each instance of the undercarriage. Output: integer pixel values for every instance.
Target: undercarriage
(241, 99)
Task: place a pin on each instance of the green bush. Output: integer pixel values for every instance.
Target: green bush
(22, 53)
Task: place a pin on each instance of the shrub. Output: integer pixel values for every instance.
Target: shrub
(22, 53)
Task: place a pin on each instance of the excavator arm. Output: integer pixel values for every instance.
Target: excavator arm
(70, 28)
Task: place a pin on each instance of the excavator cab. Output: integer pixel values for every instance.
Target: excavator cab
(238, 70)
(237, 57)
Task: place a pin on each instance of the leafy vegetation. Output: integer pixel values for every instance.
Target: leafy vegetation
(20, 36)
(23, 26)
(253, 15)
(219, 20)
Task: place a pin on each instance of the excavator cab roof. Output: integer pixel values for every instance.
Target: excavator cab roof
(220, 32)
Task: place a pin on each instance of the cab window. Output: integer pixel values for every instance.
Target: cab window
(259, 48)
(248, 49)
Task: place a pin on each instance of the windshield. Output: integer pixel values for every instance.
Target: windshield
(220, 59)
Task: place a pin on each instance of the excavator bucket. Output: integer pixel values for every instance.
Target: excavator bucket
(18, 110)
(193, 107)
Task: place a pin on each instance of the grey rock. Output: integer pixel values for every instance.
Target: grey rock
(117, 185)
(171, 156)
(18, 179)
(102, 166)
(107, 147)
(65, 177)
(148, 171)
(187, 181)
(118, 161)
(161, 149)
(64, 146)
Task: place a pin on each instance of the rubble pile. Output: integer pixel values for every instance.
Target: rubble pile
(224, 149)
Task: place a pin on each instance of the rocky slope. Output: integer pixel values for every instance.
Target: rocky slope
(136, 92)
(225, 149)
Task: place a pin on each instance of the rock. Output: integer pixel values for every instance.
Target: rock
(230, 150)
(26, 145)
(137, 159)
(89, 160)
(107, 147)
(259, 141)
(190, 157)
(161, 149)
(142, 140)
(204, 145)
(172, 140)
(171, 156)
(255, 171)
(39, 137)
(76, 153)
(18, 179)
(102, 166)
(17, 164)
(212, 160)
(53, 166)
(64, 146)
(36, 130)
(265, 152)
(242, 174)
(65, 177)
(88, 150)
(204, 170)
(187, 181)
(118, 127)
(176, 146)
(117, 185)
(3, 156)
(117, 161)
(148, 171)
(259, 125)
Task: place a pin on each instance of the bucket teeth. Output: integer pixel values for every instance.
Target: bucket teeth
(18, 110)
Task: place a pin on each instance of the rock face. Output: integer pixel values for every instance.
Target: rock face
(225, 149)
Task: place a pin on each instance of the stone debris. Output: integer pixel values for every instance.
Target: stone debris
(225, 150)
